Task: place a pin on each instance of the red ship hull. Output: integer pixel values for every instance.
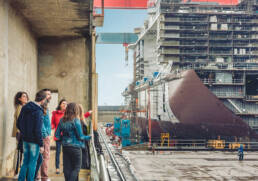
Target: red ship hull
(200, 113)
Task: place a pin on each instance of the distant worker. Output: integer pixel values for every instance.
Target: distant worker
(241, 152)
(153, 149)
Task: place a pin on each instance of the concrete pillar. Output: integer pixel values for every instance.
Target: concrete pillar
(64, 67)
(3, 79)
(94, 83)
(18, 72)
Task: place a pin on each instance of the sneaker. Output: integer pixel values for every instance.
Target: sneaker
(57, 171)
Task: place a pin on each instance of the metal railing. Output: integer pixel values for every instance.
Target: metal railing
(220, 44)
(98, 167)
(193, 28)
(95, 168)
(220, 37)
(193, 36)
(226, 66)
(249, 97)
(117, 167)
(202, 144)
(213, 81)
(194, 19)
(221, 52)
(228, 94)
(193, 44)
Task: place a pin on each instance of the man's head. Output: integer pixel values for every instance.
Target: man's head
(41, 97)
(48, 92)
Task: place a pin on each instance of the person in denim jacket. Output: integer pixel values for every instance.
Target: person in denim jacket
(69, 132)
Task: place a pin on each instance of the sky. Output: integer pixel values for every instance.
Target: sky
(113, 74)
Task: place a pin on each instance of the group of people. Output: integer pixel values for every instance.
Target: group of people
(32, 129)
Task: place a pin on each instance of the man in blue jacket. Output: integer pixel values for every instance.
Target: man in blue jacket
(30, 123)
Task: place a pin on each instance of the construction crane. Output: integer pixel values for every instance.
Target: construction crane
(144, 4)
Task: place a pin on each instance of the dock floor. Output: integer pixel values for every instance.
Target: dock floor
(193, 165)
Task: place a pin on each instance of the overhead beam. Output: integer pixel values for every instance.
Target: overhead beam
(56, 18)
(221, 2)
(122, 4)
(143, 4)
(116, 38)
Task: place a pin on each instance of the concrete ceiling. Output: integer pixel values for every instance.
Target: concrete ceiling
(56, 17)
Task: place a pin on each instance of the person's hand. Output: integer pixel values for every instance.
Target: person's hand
(18, 136)
(41, 150)
(88, 137)
(90, 111)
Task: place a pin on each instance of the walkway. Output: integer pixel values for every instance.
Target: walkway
(52, 169)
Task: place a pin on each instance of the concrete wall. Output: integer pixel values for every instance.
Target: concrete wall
(108, 116)
(28, 64)
(18, 72)
(64, 67)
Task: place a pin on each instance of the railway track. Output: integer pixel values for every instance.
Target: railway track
(118, 167)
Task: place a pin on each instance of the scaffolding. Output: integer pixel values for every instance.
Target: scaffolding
(220, 42)
(204, 32)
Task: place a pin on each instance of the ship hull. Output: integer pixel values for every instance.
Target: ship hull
(200, 114)
(191, 131)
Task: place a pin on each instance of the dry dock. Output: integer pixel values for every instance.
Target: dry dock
(204, 166)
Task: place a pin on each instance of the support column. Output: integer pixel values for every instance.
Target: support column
(94, 83)
(4, 80)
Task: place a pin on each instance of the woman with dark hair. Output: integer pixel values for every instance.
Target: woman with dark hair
(56, 116)
(69, 131)
(20, 99)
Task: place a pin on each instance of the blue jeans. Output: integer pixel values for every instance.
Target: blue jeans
(58, 150)
(39, 162)
(72, 157)
(31, 154)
